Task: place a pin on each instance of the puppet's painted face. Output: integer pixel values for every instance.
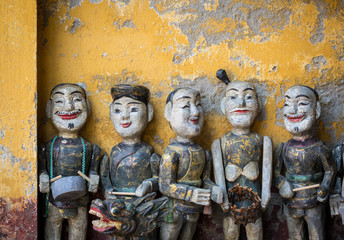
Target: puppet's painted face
(185, 115)
(300, 110)
(241, 104)
(68, 108)
(129, 117)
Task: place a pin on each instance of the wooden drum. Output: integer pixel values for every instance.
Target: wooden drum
(68, 188)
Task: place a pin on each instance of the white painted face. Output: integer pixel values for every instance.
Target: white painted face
(300, 110)
(185, 113)
(129, 117)
(240, 104)
(68, 108)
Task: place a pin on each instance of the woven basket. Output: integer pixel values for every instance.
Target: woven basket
(243, 215)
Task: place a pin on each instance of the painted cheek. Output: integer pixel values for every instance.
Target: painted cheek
(186, 116)
(287, 110)
(180, 113)
(252, 103)
(79, 105)
(229, 105)
(115, 119)
(307, 108)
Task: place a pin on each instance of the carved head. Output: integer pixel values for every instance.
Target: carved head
(240, 104)
(301, 109)
(130, 111)
(68, 107)
(184, 112)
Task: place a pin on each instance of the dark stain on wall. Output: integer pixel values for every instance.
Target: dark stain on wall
(18, 223)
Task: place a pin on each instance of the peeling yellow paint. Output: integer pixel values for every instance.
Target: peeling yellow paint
(212, 5)
(18, 98)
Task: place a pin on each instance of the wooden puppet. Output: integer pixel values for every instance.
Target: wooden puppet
(337, 194)
(185, 167)
(66, 155)
(310, 169)
(238, 158)
(132, 170)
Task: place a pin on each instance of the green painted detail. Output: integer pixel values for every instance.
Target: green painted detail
(83, 156)
(317, 177)
(51, 157)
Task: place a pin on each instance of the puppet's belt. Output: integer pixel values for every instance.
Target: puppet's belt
(316, 177)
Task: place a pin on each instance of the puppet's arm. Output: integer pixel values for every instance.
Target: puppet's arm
(266, 171)
(284, 186)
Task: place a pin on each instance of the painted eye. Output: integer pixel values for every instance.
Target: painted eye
(115, 211)
(134, 110)
(58, 101)
(77, 99)
(117, 110)
(186, 106)
(286, 105)
(232, 97)
(249, 97)
(303, 103)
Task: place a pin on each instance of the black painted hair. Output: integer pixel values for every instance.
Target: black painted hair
(170, 96)
(222, 75)
(137, 92)
(312, 89)
(73, 84)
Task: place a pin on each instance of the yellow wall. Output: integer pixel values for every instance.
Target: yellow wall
(166, 44)
(163, 45)
(18, 97)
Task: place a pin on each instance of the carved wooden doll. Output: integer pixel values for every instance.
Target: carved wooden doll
(65, 155)
(337, 194)
(310, 169)
(185, 167)
(238, 158)
(132, 170)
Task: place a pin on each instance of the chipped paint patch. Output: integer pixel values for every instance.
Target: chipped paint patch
(95, 1)
(125, 24)
(76, 24)
(158, 139)
(3, 132)
(74, 3)
(5, 154)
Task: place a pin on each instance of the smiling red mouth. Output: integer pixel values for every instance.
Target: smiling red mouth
(241, 111)
(295, 119)
(68, 116)
(193, 120)
(126, 125)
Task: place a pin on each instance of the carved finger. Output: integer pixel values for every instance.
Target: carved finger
(203, 191)
(204, 199)
(336, 208)
(204, 194)
(332, 208)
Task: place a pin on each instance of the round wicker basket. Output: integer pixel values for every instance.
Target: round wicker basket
(243, 215)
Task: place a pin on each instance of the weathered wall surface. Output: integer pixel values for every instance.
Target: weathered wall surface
(18, 191)
(172, 43)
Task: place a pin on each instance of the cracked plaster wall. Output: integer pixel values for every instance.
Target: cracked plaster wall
(18, 140)
(172, 43)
